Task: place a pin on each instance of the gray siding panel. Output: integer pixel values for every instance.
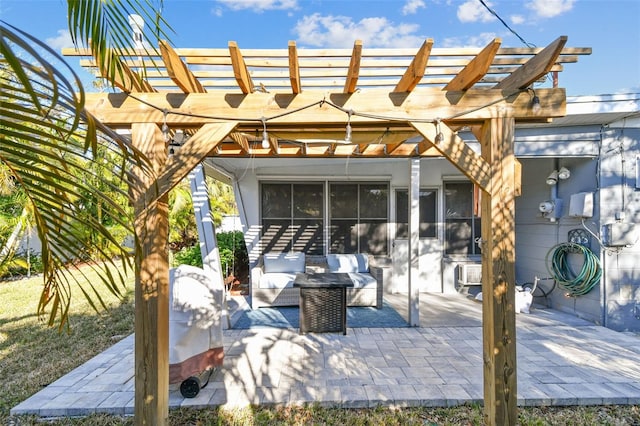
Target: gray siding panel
(536, 236)
(611, 177)
(624, 315)
(620, 149)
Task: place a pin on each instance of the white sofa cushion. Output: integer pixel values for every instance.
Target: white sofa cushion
(363, 280)
(284, 262)
(348, 262)
(277, 280)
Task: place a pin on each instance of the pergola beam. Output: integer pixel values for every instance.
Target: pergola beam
(388, 69)
(392, 147)
(126, 79)
(306, 110)
(242, 141)
(273, 145)
(194, 150)
(459, 153)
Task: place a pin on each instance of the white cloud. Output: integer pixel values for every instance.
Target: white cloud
(517, 19)
(474, 11)
(412, 6)
(259, 5)
(340, 32)
(216, 11)
(480, 40)
(63, 39)
(550, 8)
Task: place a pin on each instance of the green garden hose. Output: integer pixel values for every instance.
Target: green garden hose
(558, 265)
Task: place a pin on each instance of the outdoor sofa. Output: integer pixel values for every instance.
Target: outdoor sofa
(273, 275)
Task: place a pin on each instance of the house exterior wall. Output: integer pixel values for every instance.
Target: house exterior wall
(620, 192)
(611, 177)
(536, 236)
(395, 172)
(603, 160)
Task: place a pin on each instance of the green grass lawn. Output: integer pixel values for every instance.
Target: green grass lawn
(33, 355)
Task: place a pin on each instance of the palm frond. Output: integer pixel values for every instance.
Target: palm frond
(103, 27)
(49, 146)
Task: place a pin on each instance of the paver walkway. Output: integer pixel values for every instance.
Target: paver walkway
(562, 360)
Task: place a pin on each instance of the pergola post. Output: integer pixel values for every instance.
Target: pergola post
(152, 283)
(498, 273)
(414, 242)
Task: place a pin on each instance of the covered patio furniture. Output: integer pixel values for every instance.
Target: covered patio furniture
(195, 327)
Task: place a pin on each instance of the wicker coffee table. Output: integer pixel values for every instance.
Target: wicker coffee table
(323, 302)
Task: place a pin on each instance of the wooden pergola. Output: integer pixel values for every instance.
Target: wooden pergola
(396, 103)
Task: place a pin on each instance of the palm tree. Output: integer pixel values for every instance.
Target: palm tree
(47, 138)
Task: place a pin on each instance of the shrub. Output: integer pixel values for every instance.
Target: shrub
(234, 258)
(17, 266)
(187, 256)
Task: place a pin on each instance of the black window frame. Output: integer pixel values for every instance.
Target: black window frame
(357, 230)
(428, 229)
(297, 230)
(459, 221)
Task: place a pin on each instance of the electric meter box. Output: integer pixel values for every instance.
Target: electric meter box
(581, 205)
(620, 234)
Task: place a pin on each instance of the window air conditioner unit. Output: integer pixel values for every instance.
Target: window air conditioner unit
(470, 274)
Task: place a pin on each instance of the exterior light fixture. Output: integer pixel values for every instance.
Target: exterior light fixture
(439, 135)
(564, 173)
(165, 127)
(177, 141)
(535, 102)
(347, 135)
(178, 137)
(265, 135)
(561, 174)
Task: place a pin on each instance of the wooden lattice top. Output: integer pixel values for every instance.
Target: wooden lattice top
(306, 96)
(295, 70)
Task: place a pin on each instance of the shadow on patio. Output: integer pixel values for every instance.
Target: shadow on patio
(562, 360)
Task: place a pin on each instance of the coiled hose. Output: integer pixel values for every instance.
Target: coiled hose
(576, 284)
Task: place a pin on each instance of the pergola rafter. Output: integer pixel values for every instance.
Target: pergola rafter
(477, 68)
(327, 69)
(399, 103)
(416, 69)
(353, 73)
(400, 74)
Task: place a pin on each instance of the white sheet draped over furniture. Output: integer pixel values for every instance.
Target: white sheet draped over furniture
(195, 327)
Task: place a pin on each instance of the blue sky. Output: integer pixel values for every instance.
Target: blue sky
(610, 27)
